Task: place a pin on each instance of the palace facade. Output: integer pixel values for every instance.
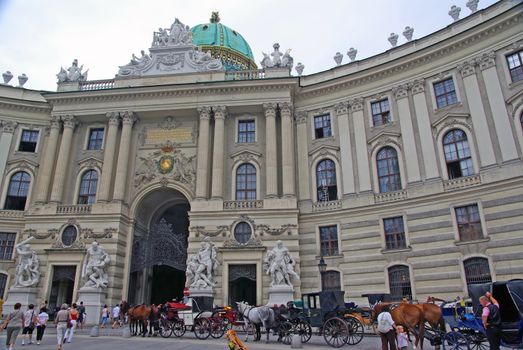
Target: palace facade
(403, 170)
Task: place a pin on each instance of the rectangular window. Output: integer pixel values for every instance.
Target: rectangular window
(7, 242)
(96, 139)
(394, 233)
(322, 126)
(246, 131)
(28, 141)
(515, 66)
(380, 112)
(329, 240)
(445, 93)
(469, 223)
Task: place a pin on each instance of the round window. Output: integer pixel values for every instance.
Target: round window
(69, 235)
(242, 232)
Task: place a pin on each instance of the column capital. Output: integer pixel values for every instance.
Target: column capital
(487, 60)
(205, 112)
(467, 68)
(270, 109)
(128, 118)
(300, 117)
(417, 86)
(9, 126)
(356, 104)
(54, 122)
(220, 112)
(401, 91)
(341, 108)
(114, 118)
(285, 109)
(69, 121)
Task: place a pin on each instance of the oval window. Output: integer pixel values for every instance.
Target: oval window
(69, 235)
(242, 232)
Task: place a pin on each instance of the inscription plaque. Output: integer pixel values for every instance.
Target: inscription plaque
(160, 136)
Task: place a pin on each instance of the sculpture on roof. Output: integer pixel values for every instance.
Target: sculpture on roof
(177, 34)
(73, 73)
(277, 60)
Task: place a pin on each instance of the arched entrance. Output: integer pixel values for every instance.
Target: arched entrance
(159, 251)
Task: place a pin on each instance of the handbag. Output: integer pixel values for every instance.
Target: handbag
(32, 323)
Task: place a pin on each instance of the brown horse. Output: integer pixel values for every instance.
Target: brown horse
(409, 316)
(138, 318)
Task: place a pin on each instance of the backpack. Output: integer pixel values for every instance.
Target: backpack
(384, 325)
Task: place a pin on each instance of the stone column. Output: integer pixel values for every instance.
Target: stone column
(202, 179)
(487, 64)
(425, 130)
(48, 158)
(220, 114)
(347, 170)
(63, 159)
(108, 165)
(271, 168)
(8, 128)
(360, 138)
(287, 145)
(303, 159)
(120, 185)
(401, 94)
(479, 118)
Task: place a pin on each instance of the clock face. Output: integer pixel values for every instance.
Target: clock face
(165, 164)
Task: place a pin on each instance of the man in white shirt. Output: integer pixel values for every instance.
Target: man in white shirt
(116, 316)
(386, 328)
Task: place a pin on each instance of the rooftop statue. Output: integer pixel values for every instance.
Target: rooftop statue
(27, 273)
(72, 74)
(177, 34)
(277, 60)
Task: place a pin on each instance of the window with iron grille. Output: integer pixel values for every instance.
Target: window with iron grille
(28, 141)
(246, 131)
(322, 126)
(326, 181)
(388, 170)
(477, 270)
(457, 154)
(87, 194)
(246, 182)
(399, 282)
(3, 282)
(394, 233)
(242, 232)
(380, 112)
(445, 93)
(96, 139)
(469, 223)
(329, 240)
(7, 243)
(515, 66)
(331, 280)
(17, 191)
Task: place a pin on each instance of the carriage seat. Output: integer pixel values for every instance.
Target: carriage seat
(177, 306)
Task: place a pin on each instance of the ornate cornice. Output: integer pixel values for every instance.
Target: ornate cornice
(24, 106)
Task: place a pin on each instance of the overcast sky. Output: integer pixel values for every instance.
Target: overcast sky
(38, 37)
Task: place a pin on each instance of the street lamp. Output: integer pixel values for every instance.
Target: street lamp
(322, 266)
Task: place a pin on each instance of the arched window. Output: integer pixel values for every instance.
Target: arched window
(388, 170)
(87, 194)
(331, 280)
(17, 191)
(3, 281)
(242, 232)
(246, 182)
(477, 270)
(399, 282)
(326, 181)
(457, 154)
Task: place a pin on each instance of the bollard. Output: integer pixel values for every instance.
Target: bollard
(95, 332)
(126, 332)
(296, 342)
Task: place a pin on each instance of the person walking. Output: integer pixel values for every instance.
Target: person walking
(14, 323)
(105, 316)
(116, 316)
(41, 322)
(29, 324)
(491, 319)
(386, 328)
(81, 315)
(73, 318)
(61, 320)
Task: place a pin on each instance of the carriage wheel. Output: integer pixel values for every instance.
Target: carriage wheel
(455, 341)
(285, 332)
(478, 341)
(217, 328)
(178, 328)
(202, 328)
(303, 328)
(335, 332)
(166, 328)
(355, 331)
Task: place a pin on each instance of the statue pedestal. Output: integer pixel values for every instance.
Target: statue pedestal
(203, 299)
(94, 300)
(22, 295)
(280, 295)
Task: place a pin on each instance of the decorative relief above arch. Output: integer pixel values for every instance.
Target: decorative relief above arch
(452, 121)
(246, 156)
(22, 164)
(78, 242)
(383, 139)
(90, 162)
(324, 151)
(253, 242)
(266, 229)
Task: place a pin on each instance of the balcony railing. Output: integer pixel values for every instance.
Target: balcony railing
(326, 205)
(74, 209)
(96, 84)
(245, 74)
(11, 214)
(234, 205)
(390, 196)
(461, 182)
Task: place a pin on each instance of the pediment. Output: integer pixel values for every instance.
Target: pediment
(451, 120)
(246, 155)
(384, 134)
(22, 163)
(324, 150)
(90, 162)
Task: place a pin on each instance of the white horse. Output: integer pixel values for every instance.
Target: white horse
(257, 315)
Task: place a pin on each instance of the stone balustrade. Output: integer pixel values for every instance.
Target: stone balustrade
(460, 182)
(390, 196)
(245, 74)
(11, 214)
(234, 205)
(96, 85)
(74, 209)
(327, 205)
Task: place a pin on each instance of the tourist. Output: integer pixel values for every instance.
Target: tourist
(13, 324)
(386, 328)
(41, 321)
(81, 315)
(402, 338)
(73, 318)
(29, 324)
(491, 319)
(116, 316)
(61, 321)
(105, 316)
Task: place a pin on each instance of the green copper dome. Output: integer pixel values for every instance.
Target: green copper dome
(224, 43)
